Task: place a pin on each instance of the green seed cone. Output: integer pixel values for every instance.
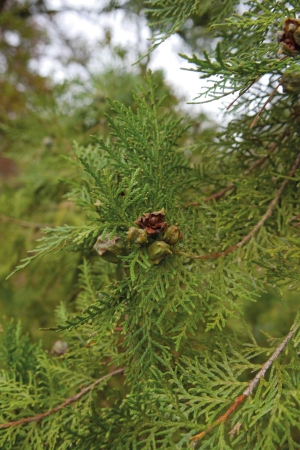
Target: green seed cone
(157, 251)
(172, 235)
(137, 236)
(291, 82)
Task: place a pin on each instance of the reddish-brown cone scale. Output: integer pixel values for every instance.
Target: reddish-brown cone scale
(289, 38)
(153, 223)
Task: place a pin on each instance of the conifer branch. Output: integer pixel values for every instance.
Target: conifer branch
(217, 195)
(264, 105)
(243, 92)
(255, 165)
(259, 224)
(24, 223)
(251, 386)
(67, 402)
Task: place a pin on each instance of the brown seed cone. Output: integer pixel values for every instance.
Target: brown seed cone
(289, 38)
(153, 222)
(110, 249)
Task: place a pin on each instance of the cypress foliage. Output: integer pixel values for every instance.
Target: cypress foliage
(165, 349)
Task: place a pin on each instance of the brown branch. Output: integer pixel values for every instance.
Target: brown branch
(67, 402)
(243, 92)
(217, 195)
(24, 223)
(297, 217)
(235, 429)
(260, 161)
(220, 193)
(251, 386)
(259, 224)
(264, 105)
(2, 4)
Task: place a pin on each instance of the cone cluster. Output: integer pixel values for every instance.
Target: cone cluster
(157, 233)
(153, 232)
(289, 45)
(289, 38)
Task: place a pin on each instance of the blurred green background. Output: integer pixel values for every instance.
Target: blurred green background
(40, 119)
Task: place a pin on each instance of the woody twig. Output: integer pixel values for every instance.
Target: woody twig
(243, 91)
(259, 224)
(67, 402)
(24, 223)
(219, 194)
(251, 386)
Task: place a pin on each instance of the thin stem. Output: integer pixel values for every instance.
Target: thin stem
(24, 223)
(217, 195)
(297, 217)
(264, 105)
(67, 402)
(259, 224)
(271, 206)
(251, 386)
(243, 92)
(272, 147)
(2, 4)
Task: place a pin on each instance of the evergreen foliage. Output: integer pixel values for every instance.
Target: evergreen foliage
(35, 197)
(164, 350)
(170, 17)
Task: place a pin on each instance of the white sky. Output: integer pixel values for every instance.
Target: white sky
(124, 33)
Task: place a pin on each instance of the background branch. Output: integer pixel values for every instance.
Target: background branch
(217, 195)
(251, 386)
(259, 224)
(25, 223)
(67, 402)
